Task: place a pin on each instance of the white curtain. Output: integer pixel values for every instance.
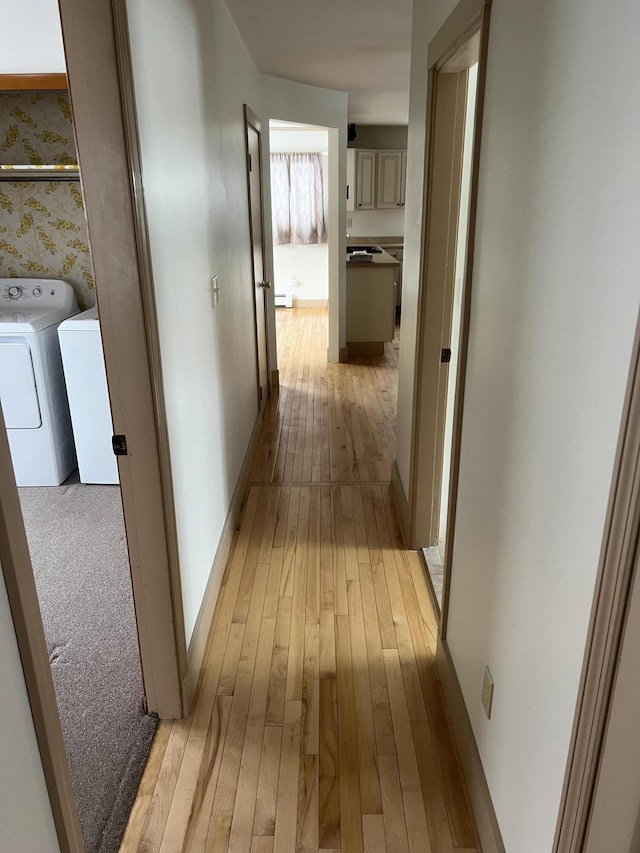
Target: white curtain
(297, 201)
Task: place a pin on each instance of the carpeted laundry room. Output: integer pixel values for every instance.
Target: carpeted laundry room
(55, 403)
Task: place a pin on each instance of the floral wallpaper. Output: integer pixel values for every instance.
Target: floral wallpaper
(43, 230)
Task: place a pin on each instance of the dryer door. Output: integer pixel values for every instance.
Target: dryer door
(18, 392)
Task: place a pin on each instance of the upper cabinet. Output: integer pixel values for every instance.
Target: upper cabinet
(375, 179)
(361, 179)
(391, 178)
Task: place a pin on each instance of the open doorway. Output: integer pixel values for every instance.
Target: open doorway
(443, 329)
(73, 518)
(464, 83)
(299, 170)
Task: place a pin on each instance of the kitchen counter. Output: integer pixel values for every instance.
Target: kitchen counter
(371, 302)
(378, 259)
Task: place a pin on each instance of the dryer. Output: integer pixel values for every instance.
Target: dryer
(32, 389)
(86, 381)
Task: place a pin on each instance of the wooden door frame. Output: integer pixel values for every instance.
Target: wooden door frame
(251, 120)
(449, 110)
(470, 17)
(130, 340)
(619, 557)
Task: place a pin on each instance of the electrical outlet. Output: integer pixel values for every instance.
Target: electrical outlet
(349, 223)
(487, 692)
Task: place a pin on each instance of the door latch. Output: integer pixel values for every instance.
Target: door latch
(119, 444)
(445, 356)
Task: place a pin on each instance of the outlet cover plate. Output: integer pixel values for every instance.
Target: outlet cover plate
(487, 692)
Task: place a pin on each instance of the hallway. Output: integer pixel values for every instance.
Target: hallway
(319, 724)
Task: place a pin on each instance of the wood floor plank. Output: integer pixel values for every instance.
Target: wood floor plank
(319, 724)
(416, 820)
(197, 829)
(287, 804)
(262, 844)
(307, 818)
(370, 796)
(329, 766)
(267, 794)
(373, 833)
(432, 796)
(395, 826)
(137, 818)
(350, 810)
(310, 725)
(158, 813)
(231, 657)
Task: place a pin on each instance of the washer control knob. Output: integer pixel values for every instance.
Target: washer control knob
(14, 292)
(37, 291)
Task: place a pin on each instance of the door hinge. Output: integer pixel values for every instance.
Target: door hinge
(445, 356)
(250, 164)
(261, 393)
(119, 444)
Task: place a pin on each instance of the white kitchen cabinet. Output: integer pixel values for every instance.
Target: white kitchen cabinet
(390, 190)
(361, 175)
(375, 179)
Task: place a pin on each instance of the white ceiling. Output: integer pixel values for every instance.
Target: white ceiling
(359, 46)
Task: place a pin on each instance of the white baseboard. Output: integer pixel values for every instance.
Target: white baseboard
(198, 645)
(310, 303)
(476, 782)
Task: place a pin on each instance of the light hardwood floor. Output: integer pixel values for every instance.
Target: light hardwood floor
(319, 724)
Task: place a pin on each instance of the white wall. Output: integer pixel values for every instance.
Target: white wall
(555, 300)
(302, 270)
(375, 223)
(297, 102)
(190, 114)
(25, 812)
(30, 38)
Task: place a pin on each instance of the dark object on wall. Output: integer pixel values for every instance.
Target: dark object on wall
(351, 132)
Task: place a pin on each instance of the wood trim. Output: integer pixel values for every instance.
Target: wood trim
(199, 641)
(401, 503)
(477, 789)
(25, 610)
(614, 585)
(457, 29)
(94, 87)
(145, 266)
(252, 120)
(275, 381)
(32, 82)
(458, 406)
(421, 318)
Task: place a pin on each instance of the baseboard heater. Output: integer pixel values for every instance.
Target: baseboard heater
(282, 300)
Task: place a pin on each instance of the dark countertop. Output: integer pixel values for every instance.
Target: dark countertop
(379, 259)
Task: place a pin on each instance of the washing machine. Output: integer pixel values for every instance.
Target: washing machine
(32, 389)
(86, 380)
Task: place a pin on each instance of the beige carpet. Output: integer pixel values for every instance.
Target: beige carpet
(81, 568)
